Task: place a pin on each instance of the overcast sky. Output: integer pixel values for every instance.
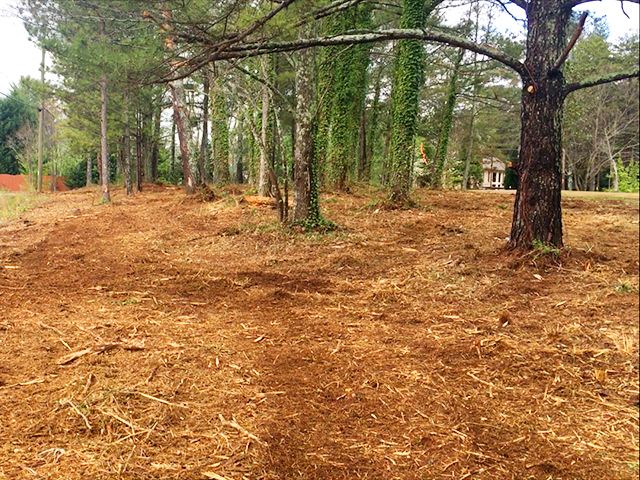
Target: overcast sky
(19, 57)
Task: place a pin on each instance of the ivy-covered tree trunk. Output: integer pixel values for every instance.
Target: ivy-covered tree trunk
(447, 122)
(363, 166)
(219, 135)
(307, 206)
(407, 81)
(537, 213)
(348, 95)
(373, 133)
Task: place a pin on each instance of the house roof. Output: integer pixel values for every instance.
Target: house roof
(493, 164)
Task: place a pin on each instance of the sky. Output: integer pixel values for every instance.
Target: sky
(19, 57)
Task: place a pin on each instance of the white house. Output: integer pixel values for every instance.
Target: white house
(493, 172)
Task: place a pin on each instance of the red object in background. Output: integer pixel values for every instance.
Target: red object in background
(20, 183)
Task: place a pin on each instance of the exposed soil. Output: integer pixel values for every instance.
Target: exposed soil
(211, 343)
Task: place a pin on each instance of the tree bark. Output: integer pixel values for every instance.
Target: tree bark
(306, 208)
(177, 94)
(178, 98)
(173, 147)
(407, 82)
(613, 167)
(204, 143)
(447, 123)
(373, 134)
(126, 147)
(139, 158)
(469, 153)
(155, 144)
(41, 127)
(537, 212)
(104, 153)
(89, 171)
(219, 134)
(263, 170)
(363, 165)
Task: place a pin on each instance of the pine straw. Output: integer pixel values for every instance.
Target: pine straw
(406, 345)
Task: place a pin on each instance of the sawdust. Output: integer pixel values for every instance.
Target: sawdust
(407, 344)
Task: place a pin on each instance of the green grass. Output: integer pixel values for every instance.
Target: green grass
(542, 248)
(625, 197)
(12, 204)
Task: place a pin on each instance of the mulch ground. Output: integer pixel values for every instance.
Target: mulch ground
(165, 338)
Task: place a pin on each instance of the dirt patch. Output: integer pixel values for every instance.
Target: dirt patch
(406, 345)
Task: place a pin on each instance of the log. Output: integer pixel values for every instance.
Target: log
(259, 201)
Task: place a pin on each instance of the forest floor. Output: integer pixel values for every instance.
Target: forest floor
(165, 338)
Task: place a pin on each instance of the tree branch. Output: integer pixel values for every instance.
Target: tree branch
(273, 89)
(572, 87)
(520, 3)
(574, 38)
(575, 3)
(256, 49)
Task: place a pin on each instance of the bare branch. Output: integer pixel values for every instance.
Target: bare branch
(572, 87)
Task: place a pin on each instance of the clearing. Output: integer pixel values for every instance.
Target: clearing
(163, 338)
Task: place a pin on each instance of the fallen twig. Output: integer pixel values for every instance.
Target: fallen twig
(105, 347)
(22, 384)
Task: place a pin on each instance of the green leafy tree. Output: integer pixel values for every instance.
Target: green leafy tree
(18, 115)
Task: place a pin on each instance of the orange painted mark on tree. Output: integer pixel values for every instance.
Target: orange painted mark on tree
(424, 154)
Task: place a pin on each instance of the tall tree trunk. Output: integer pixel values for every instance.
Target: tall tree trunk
(537, 213)
(447, 122)
(178, 99)
(155, 144)
(307, 206)
(373, 134)
(363, 165)
(263, 169)
(204, 143)
(469, 153)
(238, 146)
(407, 82)
(99, 165)
(613, 167)
(177, 94)
(173, 147)
(104, 152)
(348, 98)
(89, 171)
(476, 88)
(126, 147)
(219, 135)
(139, 157)
(41, 127)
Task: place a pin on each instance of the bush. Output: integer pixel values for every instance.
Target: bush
(628, 177)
